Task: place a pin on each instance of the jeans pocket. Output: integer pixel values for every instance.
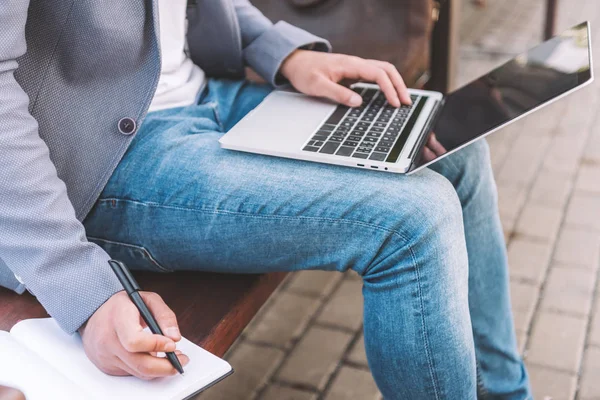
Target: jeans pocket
(135, 257)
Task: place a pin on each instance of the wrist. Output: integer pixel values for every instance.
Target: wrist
(287, 66)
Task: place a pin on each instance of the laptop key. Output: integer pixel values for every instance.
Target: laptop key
(323, 133)
(383, 149)
(360, 155)
(318, 144)
(337, 115)
(327, 127)
(378, 156)
(329, 148)
(311, 148)
(319, 137)
(370, 139)
(354, 138)
(344, 151)
(336, 139)
(350, 143)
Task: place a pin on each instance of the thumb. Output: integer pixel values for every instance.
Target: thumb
(339, 93)
(164, 315)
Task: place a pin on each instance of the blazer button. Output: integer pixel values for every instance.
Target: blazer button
(127, 126)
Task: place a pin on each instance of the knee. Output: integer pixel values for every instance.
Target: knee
(431, 240)
(471, 173)
(437, 209)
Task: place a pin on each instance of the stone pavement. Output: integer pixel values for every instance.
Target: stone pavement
(306, 343)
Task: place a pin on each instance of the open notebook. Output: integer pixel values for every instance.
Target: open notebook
(45, 363)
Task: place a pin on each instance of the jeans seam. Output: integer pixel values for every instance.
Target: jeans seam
(143, 249)
(226, 212)
(429, 357)
(482, 393)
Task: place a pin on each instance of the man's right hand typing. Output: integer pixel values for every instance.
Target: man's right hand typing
(115, 340)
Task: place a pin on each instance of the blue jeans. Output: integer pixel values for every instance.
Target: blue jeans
(429, 247)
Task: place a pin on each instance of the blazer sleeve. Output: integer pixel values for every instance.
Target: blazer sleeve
(267, 45)
(41, 240)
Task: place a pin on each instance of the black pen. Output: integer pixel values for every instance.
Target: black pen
(132, 288)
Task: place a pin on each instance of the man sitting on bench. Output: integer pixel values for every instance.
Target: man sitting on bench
(109, 130)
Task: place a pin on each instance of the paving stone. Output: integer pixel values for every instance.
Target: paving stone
(528, 259)
(521, 341)
(523, 298)
(551, 189)
(345, 307)
(557, 341)
(352, 383)
(590, 384)
(510, 200)
(358, 354)
(594, 336)
(253, 366)
(522, 320)
(284, 320)
(569, 290)
(315, 357)
(277, 392)
(563, 155)
(315, 283)
(591, 154)
(508, 227)
(583, 210)
(576, 246)
(351, 274)
(549, 384)
(539, 221)
(588, 179)
(523, 160)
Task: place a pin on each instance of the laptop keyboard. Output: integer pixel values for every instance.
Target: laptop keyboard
(367, 132)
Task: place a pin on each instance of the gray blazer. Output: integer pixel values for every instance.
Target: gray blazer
(70, 70)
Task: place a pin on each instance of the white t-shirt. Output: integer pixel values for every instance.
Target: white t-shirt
(180, 79)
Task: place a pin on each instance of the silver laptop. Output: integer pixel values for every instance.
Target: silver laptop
(381, 137)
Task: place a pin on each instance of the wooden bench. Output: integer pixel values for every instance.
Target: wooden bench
(212, 309)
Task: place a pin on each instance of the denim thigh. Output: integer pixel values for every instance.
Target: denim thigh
(179, 201)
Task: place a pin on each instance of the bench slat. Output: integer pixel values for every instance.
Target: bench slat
(212, 309)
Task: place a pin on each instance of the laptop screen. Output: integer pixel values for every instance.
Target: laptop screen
(528, 81)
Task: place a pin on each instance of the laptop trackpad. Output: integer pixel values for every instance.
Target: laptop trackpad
(282, 122)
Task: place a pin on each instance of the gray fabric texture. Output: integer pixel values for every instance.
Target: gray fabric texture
(69, 71)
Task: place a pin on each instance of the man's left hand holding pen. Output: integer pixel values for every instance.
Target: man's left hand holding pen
(114, 338)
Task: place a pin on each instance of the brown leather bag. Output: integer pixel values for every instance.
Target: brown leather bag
(398, 31)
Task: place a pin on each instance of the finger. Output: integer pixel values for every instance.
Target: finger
(428, 155)
(116, 368)
(363, 70)
(339, 93)
(164, 315)
(132, 336)
(145, 366)
(435, 145)
(396, 79)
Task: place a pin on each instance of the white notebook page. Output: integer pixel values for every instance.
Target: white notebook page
(22, 369)
(65, 353)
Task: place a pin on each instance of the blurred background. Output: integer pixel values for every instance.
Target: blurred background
(306, 342)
